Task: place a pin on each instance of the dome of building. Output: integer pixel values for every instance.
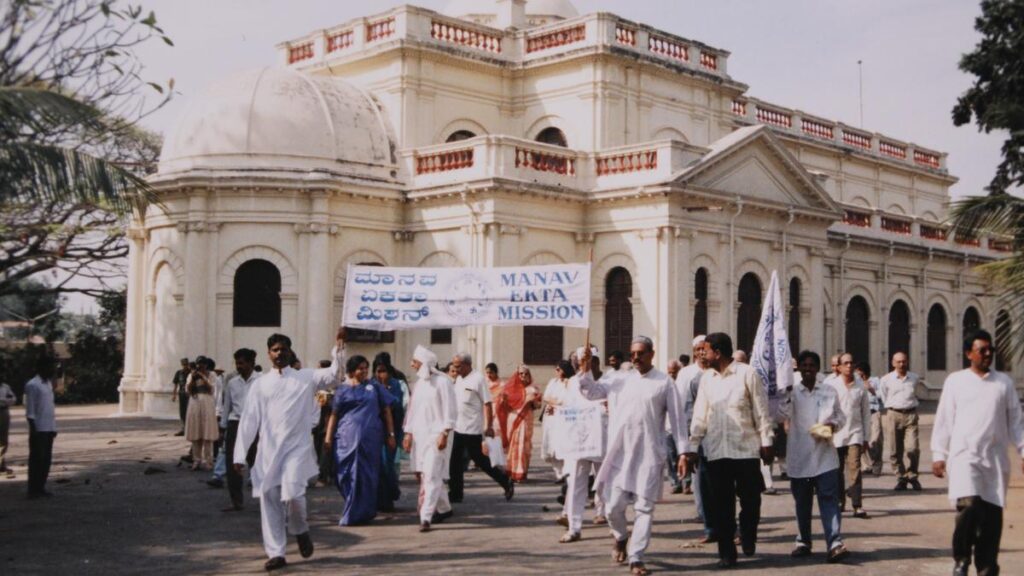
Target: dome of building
(556, 9)
(274, 120)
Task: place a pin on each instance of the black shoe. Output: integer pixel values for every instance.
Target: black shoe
(961, 568)
(275, 563)
(749, 548)
(425, 527)
(800, 551)
(440, 517)
(561, 500)
(901, 486)
(677, 489)
(215, 483)
(454, 500)
(915, 485)
(510, 491)
(726, 563)
(305, 544)
(181, 433)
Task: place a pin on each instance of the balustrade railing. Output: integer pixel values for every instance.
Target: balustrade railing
(380, 29)
(967, 240)
(892, 149)
(300, 52)
(855, 218)
(340, 40)
(896, 225)
(556, 38)
(444, 161)
(462, 36)
(709, 60)
(856, 139)
(933, 233)
(739, 107)
(924, 158)
(774, 117)
(816, 129)
(624, 35)
(668, 48)
(630, 162)
(1000, 245)
(545, 161)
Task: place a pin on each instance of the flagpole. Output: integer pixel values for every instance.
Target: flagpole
(590, 263)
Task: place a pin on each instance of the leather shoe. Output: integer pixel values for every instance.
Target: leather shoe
(305, 544)
(800, 551)
(425, 527)
(440, 517)
(275, 563)
(837, 554)
(961, 568)
(749, 548)
(901, 486)
(916, 485)
(510, 491)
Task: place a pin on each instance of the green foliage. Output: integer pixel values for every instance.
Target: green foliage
(30, 300)
(114, 310)
(93, 372)
(17, 365)
(996, 100)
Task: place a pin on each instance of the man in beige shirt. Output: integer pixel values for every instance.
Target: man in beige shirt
(732, 424)
(899, 397)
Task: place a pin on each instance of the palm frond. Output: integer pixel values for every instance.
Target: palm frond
(1008, 275)
(25, 110)
(1000, 214)
(46, 173)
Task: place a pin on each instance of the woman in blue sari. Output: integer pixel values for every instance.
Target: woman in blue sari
(384, 377)
(360, 415)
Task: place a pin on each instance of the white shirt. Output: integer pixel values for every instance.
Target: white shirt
(39, 404)
(471, 393)
(639, 405)
(730, 416)
(977, 420)
(431, 412)
(898, 393)
(7, 397)
(234, 397)
(856, 405)
(687, 384)
(281, 408)
(807, 457)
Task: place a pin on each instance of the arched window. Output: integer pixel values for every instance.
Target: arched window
(553, 136)
(936, 338)
(363, 335)
(972, 322)
(794, 317)
(700, 307)
(858, 329)
(749, 314)
(257, 298)
(899, 328)
(618, 311)
(1004, 327)
(460, 135)
(542, 345)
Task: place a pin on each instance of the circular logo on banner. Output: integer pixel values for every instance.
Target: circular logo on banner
(466, 298)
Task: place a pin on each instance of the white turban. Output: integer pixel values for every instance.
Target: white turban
(427, 361)
(698, 341)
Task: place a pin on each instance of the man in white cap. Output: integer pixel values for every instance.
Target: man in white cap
(687, 386)
(639, 401)
(428, 423)
(579, 470)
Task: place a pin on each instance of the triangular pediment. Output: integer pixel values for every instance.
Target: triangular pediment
(751, 164)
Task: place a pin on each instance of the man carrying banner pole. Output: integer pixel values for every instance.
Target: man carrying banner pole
(639, 401)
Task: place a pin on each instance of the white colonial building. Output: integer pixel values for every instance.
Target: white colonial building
(509, 133)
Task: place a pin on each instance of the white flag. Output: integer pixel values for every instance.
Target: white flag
(771, 357)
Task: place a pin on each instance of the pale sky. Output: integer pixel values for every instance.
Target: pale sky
(801, 54)
(797, 53)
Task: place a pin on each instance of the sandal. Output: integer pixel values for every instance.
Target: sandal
(570, 537)
(619, 551)
(638, 569)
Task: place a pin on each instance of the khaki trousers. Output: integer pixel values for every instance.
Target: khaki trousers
(850, 480)
(872, 457)
(901, 434)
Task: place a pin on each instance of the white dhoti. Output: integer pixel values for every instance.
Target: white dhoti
(432, 464)
(275, 514)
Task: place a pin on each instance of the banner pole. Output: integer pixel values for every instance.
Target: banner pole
(590, 264)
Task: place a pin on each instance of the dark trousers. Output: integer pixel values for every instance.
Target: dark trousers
(40, 454)
(324, 459)
(979, 527)
(729, 479)
(470, 443)
(183, 399)
(234, 478)
(705, 507)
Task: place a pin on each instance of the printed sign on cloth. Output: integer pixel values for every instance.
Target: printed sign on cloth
(380, 298)
(581, 433)
(771, 358)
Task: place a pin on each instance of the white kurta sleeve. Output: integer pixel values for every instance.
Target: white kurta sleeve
(1015, 420)
(759, 408)
(249, 422)
(945, 415)
(31, 402)
(699, 422)
(676, 418)
(448, 404)
(591, 389)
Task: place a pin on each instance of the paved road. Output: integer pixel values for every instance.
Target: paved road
(108, 517)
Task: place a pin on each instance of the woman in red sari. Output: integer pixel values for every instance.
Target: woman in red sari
(515, 406)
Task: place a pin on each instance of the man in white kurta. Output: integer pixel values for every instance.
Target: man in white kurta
(978, 419)
(851, 439)
(280, 407)
(579, 469)
(428, 423)
(639, 402)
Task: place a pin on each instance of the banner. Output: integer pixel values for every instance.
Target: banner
(380, 298)
(581, 433)
(771, 357)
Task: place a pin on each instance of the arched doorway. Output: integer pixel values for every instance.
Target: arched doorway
(460, 135)
(937, 337)
(257, 295)
(553, 136)
(899, 328)
(794, 317)
(972, 322)
(700, 306)
(858, 329)
(618, 311)
(749, 313)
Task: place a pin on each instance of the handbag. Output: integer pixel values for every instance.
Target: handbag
(492, 448)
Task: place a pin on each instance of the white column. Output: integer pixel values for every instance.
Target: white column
(135, 319)
(196, 256)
